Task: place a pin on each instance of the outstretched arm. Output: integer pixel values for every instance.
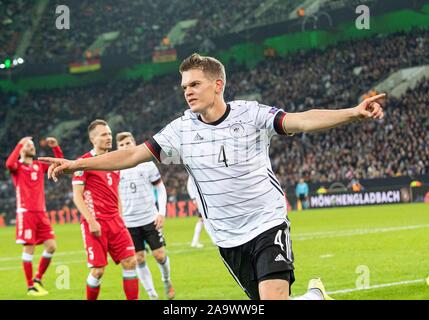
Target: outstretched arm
(111, 161)
(316, 120)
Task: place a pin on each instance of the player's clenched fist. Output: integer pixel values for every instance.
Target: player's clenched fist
(371, 108)
(52, 142)
(58, 166)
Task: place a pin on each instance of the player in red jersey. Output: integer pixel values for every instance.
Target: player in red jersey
(32, 224)
(95, 194)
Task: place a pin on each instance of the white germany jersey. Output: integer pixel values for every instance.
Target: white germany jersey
(136, 191)
(190, 186)
(237, 190)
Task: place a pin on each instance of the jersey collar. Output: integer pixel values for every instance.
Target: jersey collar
(92, 152)
(220, 120)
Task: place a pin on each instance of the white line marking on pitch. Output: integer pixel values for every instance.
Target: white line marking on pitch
(64, 253)
(348, 233)
(296, 237)
(378, 286)
(83, 253)
(58, 263)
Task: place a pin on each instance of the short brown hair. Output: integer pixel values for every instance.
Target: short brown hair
(209, 65)
(96, 123)
(122, 135)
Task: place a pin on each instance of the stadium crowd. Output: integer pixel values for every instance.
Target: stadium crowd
(142, 25)
(12, 25)
(330, 78)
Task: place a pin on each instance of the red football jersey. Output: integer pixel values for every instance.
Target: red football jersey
(29, 181)
(100, 191)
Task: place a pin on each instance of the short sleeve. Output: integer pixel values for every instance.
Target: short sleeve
(79, 178)
(268, 118)
(165, 145)
(154, 174)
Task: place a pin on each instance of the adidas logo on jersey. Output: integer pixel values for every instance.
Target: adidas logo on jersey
(198, 137)
(280, 258)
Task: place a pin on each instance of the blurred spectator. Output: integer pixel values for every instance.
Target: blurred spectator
(301, 192)
(355, 186)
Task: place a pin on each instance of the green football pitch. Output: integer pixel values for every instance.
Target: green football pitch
(374, 252)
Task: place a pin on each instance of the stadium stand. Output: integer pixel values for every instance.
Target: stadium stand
(15, 18)
(330, 78)
(141, 24)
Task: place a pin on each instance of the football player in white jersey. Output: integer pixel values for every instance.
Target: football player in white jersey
(224, 147)
(143, 220)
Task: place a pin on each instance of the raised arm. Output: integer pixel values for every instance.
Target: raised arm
(53, 143)
(58, 153)
(12, 160)
(111, 161)
(317, 120)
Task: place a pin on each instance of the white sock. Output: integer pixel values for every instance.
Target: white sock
(93, 281)
(165, 269)
(145, 277)
(47, 255)
(129, 274)
(197, 231)
(27, 257)
(312, 294)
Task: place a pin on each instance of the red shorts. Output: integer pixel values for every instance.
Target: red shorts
(33, 227)
(115, 240)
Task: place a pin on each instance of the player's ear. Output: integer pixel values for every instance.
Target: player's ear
(219, 86)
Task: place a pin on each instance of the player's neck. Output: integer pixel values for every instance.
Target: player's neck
(214, 112)
(27, 160)
(99, 152)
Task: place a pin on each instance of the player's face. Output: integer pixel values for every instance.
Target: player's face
(126, 143)
(101, 137)
(199, 90)
(29, 150)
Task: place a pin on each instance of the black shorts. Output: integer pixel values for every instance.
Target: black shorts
(147, 234)
(302, 197)
(268, 256)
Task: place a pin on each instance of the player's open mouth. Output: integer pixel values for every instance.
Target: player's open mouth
(192, 100)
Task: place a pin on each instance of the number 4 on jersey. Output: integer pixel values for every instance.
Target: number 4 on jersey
(222, 156)
(278, 239)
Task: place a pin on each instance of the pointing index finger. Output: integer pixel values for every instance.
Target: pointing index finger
(377, 97)
(47, 160)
